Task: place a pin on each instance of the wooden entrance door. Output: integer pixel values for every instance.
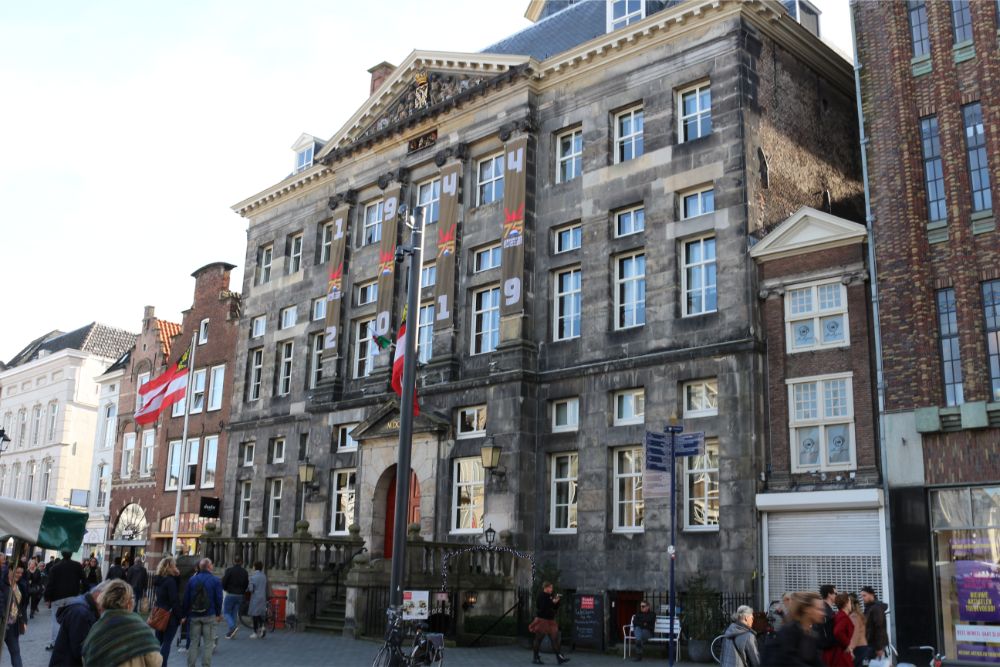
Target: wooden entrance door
(412, 512)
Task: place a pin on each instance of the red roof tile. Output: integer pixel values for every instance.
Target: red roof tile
(167, 332)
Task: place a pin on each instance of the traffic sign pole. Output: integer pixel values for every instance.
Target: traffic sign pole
(673, 430)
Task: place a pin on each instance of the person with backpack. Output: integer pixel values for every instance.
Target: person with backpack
(202, 610)
(739, 648)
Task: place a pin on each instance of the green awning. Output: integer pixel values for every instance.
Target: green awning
(47, 526)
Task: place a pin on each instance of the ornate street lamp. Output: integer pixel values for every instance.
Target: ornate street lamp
(307, 473)
(490, 453)
(490, 535)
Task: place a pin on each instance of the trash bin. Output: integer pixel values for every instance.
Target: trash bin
(279, 596)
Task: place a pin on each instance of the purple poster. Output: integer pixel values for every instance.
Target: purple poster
(978, 586)
(979, 652)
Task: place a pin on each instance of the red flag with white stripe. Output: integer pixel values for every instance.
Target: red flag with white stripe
(397, 366)
(163, 391)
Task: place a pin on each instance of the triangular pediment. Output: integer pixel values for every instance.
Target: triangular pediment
(808, 230)
(384, 423)
(425, 80)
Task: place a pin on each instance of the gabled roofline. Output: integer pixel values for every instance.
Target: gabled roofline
(846, 233)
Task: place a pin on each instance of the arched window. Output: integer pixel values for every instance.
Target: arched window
(131, 524)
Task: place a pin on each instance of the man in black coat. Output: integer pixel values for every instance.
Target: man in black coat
(235, 583)
(65, 583)
(824, 630)
(138, 579)
(75, 620)
(116, 571)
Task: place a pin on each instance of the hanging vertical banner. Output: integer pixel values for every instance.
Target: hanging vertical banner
(387, 262)
(444, 289)
(335, 280)
(512, 254)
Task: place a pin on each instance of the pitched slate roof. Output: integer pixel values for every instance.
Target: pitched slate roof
(121, 363)
(98, 339)
(168, 330)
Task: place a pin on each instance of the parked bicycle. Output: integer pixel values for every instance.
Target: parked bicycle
(428, 647)
(936, 658)
(269, 621)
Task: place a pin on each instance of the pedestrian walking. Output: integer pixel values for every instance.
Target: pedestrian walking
(91, 574)
(202, 610)
(824, 630)
(859, 645)
(544, 624)
(138, 579)
(259, 595)
(120, 638)
(166, 583)
(33, 577)
(235, 583)
(777, 612)
(75, 620)
(839, 654)
(14, 594)
(116, 571)
(795, 645)
(739, 646)
(66, 581)
(875, 633)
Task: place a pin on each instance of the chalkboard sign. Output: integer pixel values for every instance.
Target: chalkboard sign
(588, 620)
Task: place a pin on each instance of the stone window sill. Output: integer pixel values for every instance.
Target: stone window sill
(983, 222)
(921, 65)
(970, 415)
(963, 51)
(937, 231)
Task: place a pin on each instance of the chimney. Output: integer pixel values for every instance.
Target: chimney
(379, 74)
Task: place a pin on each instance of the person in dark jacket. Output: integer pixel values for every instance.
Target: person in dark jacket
(201, 621)
(14, 592)
(739, 648)
(138, 579)
(544, 625)
(795, 645)
(875, 632)
(75, 621)
(91, 574)
(65, 583)
(235, 583)
(824, 630)
(116, 571)
(166, 583)
(33, 577)
(643, 625)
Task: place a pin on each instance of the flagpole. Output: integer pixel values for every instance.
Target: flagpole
(184, 444)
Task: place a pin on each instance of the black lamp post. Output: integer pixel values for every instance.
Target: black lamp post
(490, 535)
(307, 476)
(490, 453)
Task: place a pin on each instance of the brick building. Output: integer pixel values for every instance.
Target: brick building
(149, 462)
(929, 73)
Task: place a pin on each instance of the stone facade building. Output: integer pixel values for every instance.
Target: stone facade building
(590, 186)
(928, 79)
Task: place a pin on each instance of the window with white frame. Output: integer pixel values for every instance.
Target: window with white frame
(821, 423)
(701, 398)
(468, 494)
(217, 384)
(303, 158)
(243, 527)
(698, 202)
(285, 357)
(629, 505)
(258, 326)
(325, 243)
(428, 275)
(53, 413)
(209, 462)
(198, 390)
(128, 455)
(15, 480)
(698, 277)
(343, 497)
(565, 414)
(366, 293)
(29, 480)
(816, 316)
(294, 253)
(345, 443)
(490, 181)
(177, 409)
(630, 221)
(486, 259)
(569, 155)
(22, 427)
(203, 331)
(103, 482)
(429, 199)
(372, 228)
(485, 320)
(567, 288)
(191, 463)
(470, 422)
(624, 12)
(110, 422)
(174, 454)
(255, 373)
(288, 317)
(701, 489)
(246, 453)
(562, 517)
(425, 334)
(315, 359)
(695, 112)
(630, 290)
(318, 308)
(628, 134)
(264, 256)
(630, 407)
(146, 455)
(36, 424)
(364, 350)
(46, 477)
(568, 238)
(274, 506)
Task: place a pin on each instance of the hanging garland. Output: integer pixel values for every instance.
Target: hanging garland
(480, 547)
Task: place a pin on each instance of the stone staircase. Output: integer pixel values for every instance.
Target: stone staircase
(330, 618)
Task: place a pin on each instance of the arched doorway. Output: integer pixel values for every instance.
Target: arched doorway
(412, 512)
(130, 534)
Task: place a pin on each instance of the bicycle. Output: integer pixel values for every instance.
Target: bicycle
(428, 647)
(936, 658)
(270, 619)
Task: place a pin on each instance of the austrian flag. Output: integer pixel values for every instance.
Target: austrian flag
(397, 366)
(161, 392)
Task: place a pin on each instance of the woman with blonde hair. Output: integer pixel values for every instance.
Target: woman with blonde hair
(795, 644)
(166, 582)
(120, 638)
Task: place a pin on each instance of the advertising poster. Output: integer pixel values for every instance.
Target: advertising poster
(415, 605)
(978, 586)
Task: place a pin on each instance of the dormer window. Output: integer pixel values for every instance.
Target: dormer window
(625, 12)
(304, 158)
(305, 148)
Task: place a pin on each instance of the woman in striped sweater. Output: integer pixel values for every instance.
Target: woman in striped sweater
(120, 638)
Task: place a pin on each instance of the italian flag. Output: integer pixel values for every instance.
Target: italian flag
(161, 392)
(397, 366)
(47, 526)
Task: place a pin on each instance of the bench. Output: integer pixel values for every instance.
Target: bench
(661, 633)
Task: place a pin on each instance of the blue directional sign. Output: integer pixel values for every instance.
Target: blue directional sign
(689, 444)
(658, 466)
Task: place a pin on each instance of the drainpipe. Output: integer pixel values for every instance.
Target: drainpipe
(890, 592)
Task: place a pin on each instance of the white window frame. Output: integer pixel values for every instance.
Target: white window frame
(256, 375)
(286, 356)
(295, 253)
(315, 359)
(486, 259)
(203, 331)
(627, 18)
(485, 327)
(198, 382)
(363, 352)
(699, 196)
(371, 232)
(326, 243)
(815, 316)
(216, 386)
(304, 158)
(175, 454)
(265, 255)
(53, 414)
(345, 443)
(110, 425)
(366, 292)
(190, 467)
(429, 195)
(619, 418)
(477, 481)
(573, 232)
(245, 495)
(425, 333)
(288, 317)
(248, 448)
(622, 285)
(479, 415)
(275, 489)
(697, 89)
(574, 158)
(146, 455)
(572, 480)
(567, 305)
(36, 423)
(695, 466)
(103, 484)
(705, 288)
(276, 453)
(210, 461)
(572, 414)
(258, 326)
(318, 309)
(490, 189)
(428, 275)
(821, 422)
(336, 491)
(128, 455)
(634, 140)
(177, 409)
(140, 380)
(704, 391)
(631, 214)
(637, 520)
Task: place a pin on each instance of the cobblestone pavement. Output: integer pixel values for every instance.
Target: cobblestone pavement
(307, 648)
